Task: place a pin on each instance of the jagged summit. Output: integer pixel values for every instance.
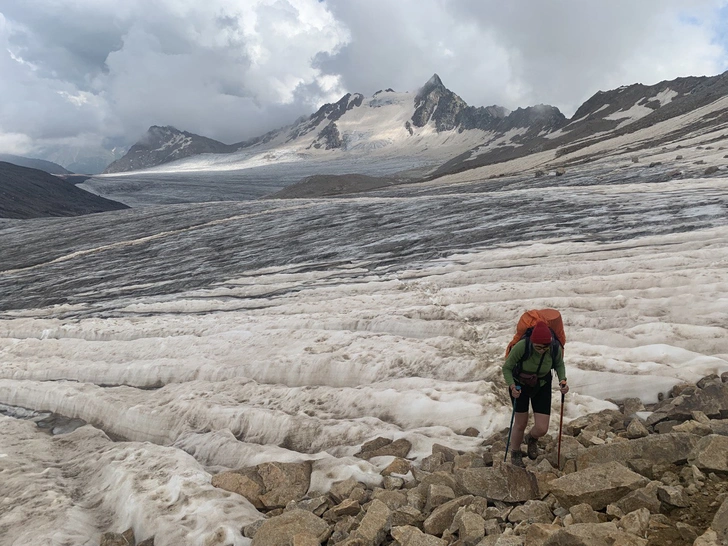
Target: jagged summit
(433, 84)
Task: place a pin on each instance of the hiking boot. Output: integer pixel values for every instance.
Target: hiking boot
(517, 458)
(532, 446)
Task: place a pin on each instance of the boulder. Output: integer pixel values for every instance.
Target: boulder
(506, 483)
(720, 522)
(341, 490)
(284, 482)
(280, 530)
(593, 534)
(636, 522)
(645, 497)
(245, 482)
(597, 486)
(442, 517)
(710, 454)
(397, 466)
(583, 513)
(375, 525)
(393, 499)
(533, 511)
(398, 448)
(636, 429)
(407, 535)
(672, 448)
(470, 527)
(438, 494)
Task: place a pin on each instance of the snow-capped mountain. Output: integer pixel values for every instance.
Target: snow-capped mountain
(162, 145)
(434, 119)
(627, 118)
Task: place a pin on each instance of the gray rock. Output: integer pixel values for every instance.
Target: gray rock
(408, 535)
(284, 482)
(438, 494)
(593, 534)
(533, 511)
(250, 530)
(245, 482)
(280, 530)
(376, 524)
(442, 517)
(432, 462)
(720, 522)
(583, 513)
(711, 454)
(670, 448)
(341, 490)
(641, 498)
(407, 515)
(448, 453)
(632, 406)
(597, 486)
(636, 429)
(672, 495)
(398, 448)
(636, 522)
(506, 483)
(393, 499)
(470, 527)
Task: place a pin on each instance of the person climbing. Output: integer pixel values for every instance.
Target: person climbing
(528, 367)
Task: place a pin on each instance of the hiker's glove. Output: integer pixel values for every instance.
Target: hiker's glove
(515, 391)
(563, 387)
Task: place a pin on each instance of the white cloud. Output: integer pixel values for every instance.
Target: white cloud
(233, 69)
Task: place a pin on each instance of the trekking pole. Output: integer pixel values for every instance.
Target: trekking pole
(561, 422)
(510, 430)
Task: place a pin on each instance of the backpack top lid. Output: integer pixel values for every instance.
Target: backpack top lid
(530, 318)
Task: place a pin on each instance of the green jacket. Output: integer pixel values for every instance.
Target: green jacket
(530, 365)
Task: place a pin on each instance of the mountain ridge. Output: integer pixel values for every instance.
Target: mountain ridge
(436, 126)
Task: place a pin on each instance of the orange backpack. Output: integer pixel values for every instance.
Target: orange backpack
(529, 319)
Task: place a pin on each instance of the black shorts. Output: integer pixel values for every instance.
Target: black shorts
(540, 398)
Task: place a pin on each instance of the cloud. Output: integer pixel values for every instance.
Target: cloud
(83, 70)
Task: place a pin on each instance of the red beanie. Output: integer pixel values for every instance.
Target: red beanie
(541, 335)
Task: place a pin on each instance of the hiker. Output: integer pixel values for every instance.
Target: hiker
(534, 381)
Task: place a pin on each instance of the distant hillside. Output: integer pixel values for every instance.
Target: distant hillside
(31, 163)
(31, 193)
(331, 184)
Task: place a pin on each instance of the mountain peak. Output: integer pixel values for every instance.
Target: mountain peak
(434, 81)
(433, 84)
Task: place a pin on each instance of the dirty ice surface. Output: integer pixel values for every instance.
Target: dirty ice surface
(198, 338)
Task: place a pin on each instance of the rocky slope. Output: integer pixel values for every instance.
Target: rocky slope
(30, 193)
(664, 112)
(634, 477)
(162, 145)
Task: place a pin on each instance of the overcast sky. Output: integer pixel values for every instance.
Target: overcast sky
(80, 71)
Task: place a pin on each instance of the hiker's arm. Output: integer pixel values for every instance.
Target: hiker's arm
(513, 357)
(560, 367)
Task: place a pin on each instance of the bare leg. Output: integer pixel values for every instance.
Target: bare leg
(540, 426)
(519, 427)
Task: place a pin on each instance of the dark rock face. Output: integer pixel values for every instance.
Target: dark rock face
(30, 193)
(329, 138)
(435, 102)
(164, 144)
(331, 112)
